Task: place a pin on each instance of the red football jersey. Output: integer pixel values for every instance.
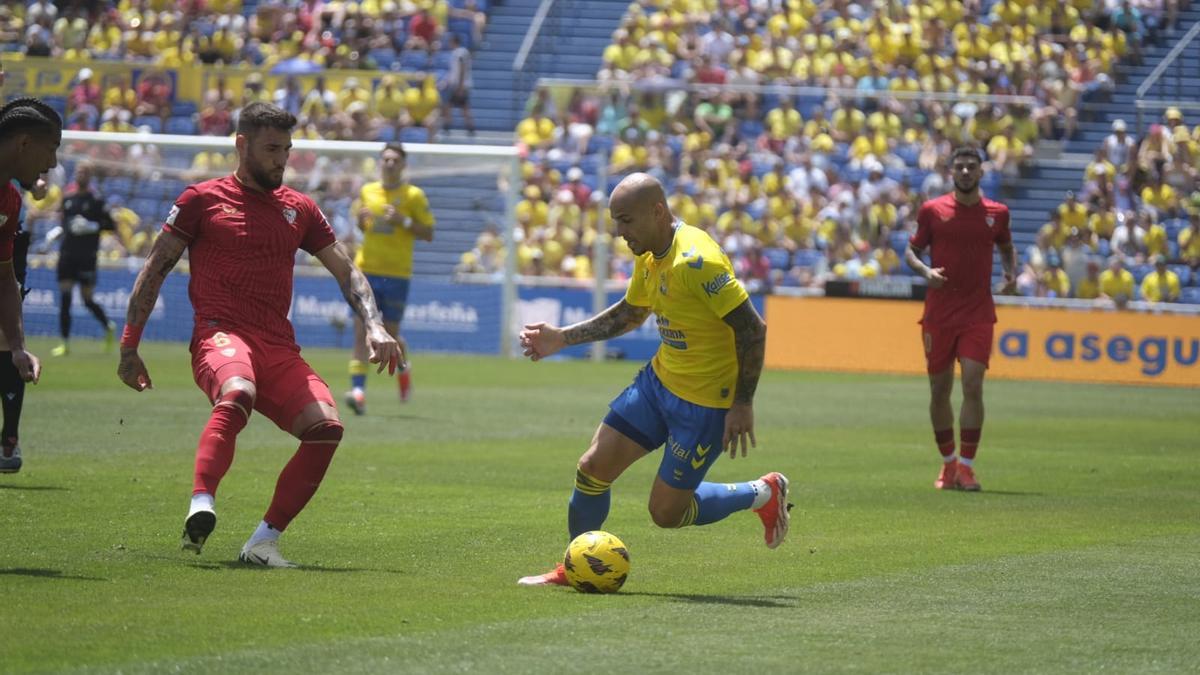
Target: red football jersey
(961, 239)
(10, 214)
(242, 247)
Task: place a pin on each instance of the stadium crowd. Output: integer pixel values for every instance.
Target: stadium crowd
(1132, 230)
(800, 189)
(282, 42)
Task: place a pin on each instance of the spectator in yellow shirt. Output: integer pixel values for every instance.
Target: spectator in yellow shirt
(1116, 282)
(1055, 279)
(532, 212)
(1156, 237)
(1161, 285)
(1054, 232)
(1189, 242)
(1160, 196)
(782, 123)
(536, 131)
(1006, 152)
(1073, 212)
(1089, 286)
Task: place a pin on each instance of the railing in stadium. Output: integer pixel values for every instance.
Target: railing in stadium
(1170, 91)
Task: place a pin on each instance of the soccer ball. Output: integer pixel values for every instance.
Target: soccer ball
(596, 562)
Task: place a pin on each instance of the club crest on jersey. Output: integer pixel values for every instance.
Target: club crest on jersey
(173, 214)
(3, 220)
(289, 214)
(990, 220)
(229, 210)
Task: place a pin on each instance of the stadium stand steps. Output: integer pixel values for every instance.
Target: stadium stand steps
(1044, 183)
(572, 42)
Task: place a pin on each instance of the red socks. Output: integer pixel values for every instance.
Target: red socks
(970, 442)
(945, 442)
(214, 453)
(299, 480)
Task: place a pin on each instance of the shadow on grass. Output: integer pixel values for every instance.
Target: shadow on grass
(1012, 493)
(778, 601)
(44, 574)
(59, 488)
(239, 565)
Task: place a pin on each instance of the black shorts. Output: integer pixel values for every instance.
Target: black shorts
(81, 270)
(459, 99)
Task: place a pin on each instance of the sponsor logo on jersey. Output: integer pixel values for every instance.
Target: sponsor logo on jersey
(720, 281)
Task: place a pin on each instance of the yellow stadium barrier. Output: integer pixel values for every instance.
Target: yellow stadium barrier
(1035, 343)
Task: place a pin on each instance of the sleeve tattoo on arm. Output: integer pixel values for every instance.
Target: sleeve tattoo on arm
(749, 343)
(616, 320)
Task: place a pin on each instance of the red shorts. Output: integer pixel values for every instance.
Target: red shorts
(284, 382)
(945, 345)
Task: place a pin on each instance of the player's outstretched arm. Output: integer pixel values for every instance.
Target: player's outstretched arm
(750, 345)
(27, 364)
(167, 251)
(381, 346)
(540, 340)
(912, 256)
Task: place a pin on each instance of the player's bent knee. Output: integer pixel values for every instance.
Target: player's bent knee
(238, 398)
(666, 515)
(325, 431)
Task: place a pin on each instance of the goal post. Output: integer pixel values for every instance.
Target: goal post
(470, 188)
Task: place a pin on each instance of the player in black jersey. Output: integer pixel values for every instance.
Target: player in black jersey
(85, 216)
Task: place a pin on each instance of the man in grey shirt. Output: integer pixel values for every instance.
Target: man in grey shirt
(456, 88)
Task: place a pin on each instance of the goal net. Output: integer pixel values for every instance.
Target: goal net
(469, 189)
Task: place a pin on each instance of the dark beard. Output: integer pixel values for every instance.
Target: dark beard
(265, 180)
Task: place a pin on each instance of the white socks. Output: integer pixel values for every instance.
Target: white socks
(264, 532)
(201, 501)
(964, 461)
(762, 493)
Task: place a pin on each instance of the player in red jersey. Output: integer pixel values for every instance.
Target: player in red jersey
(960, 229)
(242, 233)
(30, 133)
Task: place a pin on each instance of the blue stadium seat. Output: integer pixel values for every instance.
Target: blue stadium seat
(807, 257)
(387, 133)
(1183, 272)
(117, 185)
(154, 123)
(750, 129)
(384, 57)
(1140, 272)
(183, 108)
(413, 135)
(1104, 248)
(181, 125)
(779, 258)
(600, 144)
(414, 60)
(1190, 294)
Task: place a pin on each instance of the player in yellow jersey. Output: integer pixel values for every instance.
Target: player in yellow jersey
(392, 214)
(695, 396)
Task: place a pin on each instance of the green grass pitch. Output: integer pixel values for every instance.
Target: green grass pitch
(1081, 554)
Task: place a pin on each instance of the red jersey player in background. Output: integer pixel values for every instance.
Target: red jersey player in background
(242, 233)
(960, 229)
(30, 133)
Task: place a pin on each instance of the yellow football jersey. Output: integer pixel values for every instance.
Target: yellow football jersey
(690, 289)
(387, 250)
